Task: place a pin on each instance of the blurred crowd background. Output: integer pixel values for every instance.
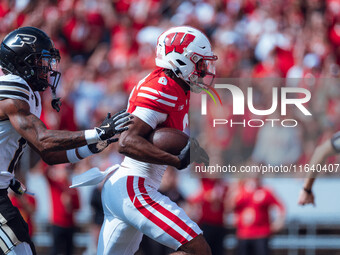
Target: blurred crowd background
(107, 46)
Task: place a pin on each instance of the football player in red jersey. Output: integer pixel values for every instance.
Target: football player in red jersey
(132, 205)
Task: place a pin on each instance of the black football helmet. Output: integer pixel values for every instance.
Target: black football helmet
(29, 53)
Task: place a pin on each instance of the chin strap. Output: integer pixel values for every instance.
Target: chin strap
(56, 103)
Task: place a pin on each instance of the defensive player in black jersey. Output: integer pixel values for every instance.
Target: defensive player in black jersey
(29, 61)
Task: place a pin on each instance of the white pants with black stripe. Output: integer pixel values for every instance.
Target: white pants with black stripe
(14, 233)
(9, 242)
(132, 207)
(21, 249)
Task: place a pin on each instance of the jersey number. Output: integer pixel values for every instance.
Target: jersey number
(17, 155)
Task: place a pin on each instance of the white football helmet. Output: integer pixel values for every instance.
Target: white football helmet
(187, 52)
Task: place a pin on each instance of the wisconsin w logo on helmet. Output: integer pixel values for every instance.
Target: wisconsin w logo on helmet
(21, 39)
(177, 41)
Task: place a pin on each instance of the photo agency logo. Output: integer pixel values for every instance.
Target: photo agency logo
(243, 101)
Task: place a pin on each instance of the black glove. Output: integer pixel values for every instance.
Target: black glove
(17, 186)
(197, 154)
(100, 146)
(113, 125)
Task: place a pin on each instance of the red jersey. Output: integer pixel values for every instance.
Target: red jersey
(211, 199)
(160, 93)
(160, 102)
(22, 203)
(253, 212)
(65, 201)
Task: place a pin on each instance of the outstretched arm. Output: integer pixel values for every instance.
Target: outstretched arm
(50, 144)
(34, 130)
(60, 157)
(321, 153)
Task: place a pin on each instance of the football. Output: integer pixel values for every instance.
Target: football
(170, 140)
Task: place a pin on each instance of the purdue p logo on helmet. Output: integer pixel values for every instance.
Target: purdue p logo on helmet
(21, 39)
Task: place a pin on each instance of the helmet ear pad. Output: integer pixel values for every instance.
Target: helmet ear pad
(181, 66)
(7, 56)
(25, 69)
(12, 63)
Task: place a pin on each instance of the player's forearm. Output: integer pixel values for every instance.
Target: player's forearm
(73, 155)
(319, 156)
(321, 153)
(44, 140)
(56, 140)
(54, 158)
(139, 148)
(308, 184)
